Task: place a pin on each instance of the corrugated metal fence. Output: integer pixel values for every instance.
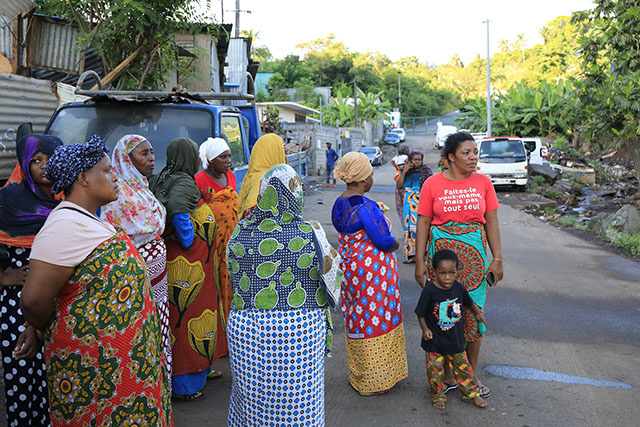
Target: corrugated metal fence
(6, 39)
(22, 99)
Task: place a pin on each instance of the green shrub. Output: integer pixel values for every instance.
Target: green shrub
(555, 195)
(568, 221)
(628, 242)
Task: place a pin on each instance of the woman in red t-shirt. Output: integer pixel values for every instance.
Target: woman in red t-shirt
(458, 210)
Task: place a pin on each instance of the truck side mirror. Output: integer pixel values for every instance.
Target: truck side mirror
(24, 129)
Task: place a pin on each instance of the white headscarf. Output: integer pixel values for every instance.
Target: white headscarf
(212, 148)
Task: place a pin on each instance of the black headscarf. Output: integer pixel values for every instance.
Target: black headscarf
(175, 185)
(24, 207)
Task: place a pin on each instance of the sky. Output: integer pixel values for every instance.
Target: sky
(432, 31)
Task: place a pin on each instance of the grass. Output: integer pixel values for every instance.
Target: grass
(569, 221)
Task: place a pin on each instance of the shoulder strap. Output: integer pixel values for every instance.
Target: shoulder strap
(81, 212)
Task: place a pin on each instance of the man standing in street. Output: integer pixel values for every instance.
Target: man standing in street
(332, 156)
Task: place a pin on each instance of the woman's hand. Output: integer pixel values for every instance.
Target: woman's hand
(421, 273)
(29, 343)
(496, 268)
(14, 277)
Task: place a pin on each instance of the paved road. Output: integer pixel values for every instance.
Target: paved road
(566, 306)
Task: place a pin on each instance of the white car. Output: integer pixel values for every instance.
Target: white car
(442, 132)
(401, 133)
(504, 160)
(537, 152)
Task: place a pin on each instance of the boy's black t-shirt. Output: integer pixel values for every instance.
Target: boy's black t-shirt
(443, 313)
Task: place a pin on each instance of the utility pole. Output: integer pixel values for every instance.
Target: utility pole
(321, 116)
(488, 83)
(237, 18)
(355, 103)
(399, 93)
(222, 11)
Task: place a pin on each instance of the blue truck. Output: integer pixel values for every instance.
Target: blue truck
(161, 117)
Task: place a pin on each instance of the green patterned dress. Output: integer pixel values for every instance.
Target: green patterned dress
(103, 346)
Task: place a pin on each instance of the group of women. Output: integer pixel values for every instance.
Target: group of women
(137, 287)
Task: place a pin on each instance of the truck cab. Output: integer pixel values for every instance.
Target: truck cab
(160, 121)
(504, 160)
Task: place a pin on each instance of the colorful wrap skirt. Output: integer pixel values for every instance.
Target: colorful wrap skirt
(195, 307)
(277, 367)
(154, 254)
(410, 220)
(372, 312)
(103, 347)
(469, 242)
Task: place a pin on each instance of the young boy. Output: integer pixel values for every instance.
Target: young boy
(440, 316)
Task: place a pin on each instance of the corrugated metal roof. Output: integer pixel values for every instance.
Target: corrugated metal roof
(13, 8)
(55, 46)
(237, 60)
(22, 99)
(6, 39)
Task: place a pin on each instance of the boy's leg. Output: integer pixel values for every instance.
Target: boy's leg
(435, 373)
(464, 375)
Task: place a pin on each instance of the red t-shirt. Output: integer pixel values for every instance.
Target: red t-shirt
(466, 200)
(205, 181)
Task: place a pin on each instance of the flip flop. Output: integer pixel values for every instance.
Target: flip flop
(189, 397)
(484, 391)
(214, 375)
(449, 387)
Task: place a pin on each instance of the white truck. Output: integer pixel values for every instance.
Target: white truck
(504, 160)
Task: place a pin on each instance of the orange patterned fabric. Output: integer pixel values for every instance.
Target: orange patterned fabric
(224, 205)
(377, 364)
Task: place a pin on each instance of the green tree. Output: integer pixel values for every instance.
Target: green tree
(609, 92)
(141, 31)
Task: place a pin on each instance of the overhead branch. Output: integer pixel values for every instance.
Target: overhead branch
(115, 73)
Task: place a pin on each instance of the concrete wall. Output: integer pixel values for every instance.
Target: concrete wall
(342, 139)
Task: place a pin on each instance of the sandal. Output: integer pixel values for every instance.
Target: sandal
(189, 397)
(484, 391)
(214, 375)
(449, 387)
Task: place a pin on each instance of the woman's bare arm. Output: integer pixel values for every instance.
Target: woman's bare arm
(493, 237)
(422, 236)
(43, 284)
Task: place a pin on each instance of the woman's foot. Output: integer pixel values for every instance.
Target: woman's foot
(214, 375)
(189, 397)
(374, 393)
(480, 402)
(448, 386)
(441, 405)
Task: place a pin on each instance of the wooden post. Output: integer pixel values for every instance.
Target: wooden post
(113, 74)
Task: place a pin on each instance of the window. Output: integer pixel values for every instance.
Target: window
(160, 124)
(230, 128)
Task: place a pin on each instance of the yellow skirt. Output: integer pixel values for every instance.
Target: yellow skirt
(377, 364)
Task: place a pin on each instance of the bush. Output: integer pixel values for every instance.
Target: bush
(628, 242)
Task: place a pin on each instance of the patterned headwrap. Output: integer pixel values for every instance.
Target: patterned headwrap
(137, 210)
(424, 171)
(69, 161)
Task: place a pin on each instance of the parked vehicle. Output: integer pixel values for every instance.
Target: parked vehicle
(504, 160)
(536, 151)
(442, 132)
(401, 133)
(392, 138)
(374, 154)
(161, 117)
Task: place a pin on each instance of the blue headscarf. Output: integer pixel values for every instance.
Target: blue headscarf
(69, 161)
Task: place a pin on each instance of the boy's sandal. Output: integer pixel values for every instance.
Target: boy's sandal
(449, 387)
(484, 391)
(189, 397)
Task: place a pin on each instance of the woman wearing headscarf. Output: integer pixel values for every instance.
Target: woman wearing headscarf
(195, 313)
(267, 152)
(89, 291)
(142, 216)
(277, 329)
(25, 203)
(370, 294)
(410, 181)
(217, 184)
(399, 162)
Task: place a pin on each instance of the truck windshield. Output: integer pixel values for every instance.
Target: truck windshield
(159, 124)
(503, 149)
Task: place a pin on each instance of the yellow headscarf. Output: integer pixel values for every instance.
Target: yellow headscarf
(267, 152)
(353, 167)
